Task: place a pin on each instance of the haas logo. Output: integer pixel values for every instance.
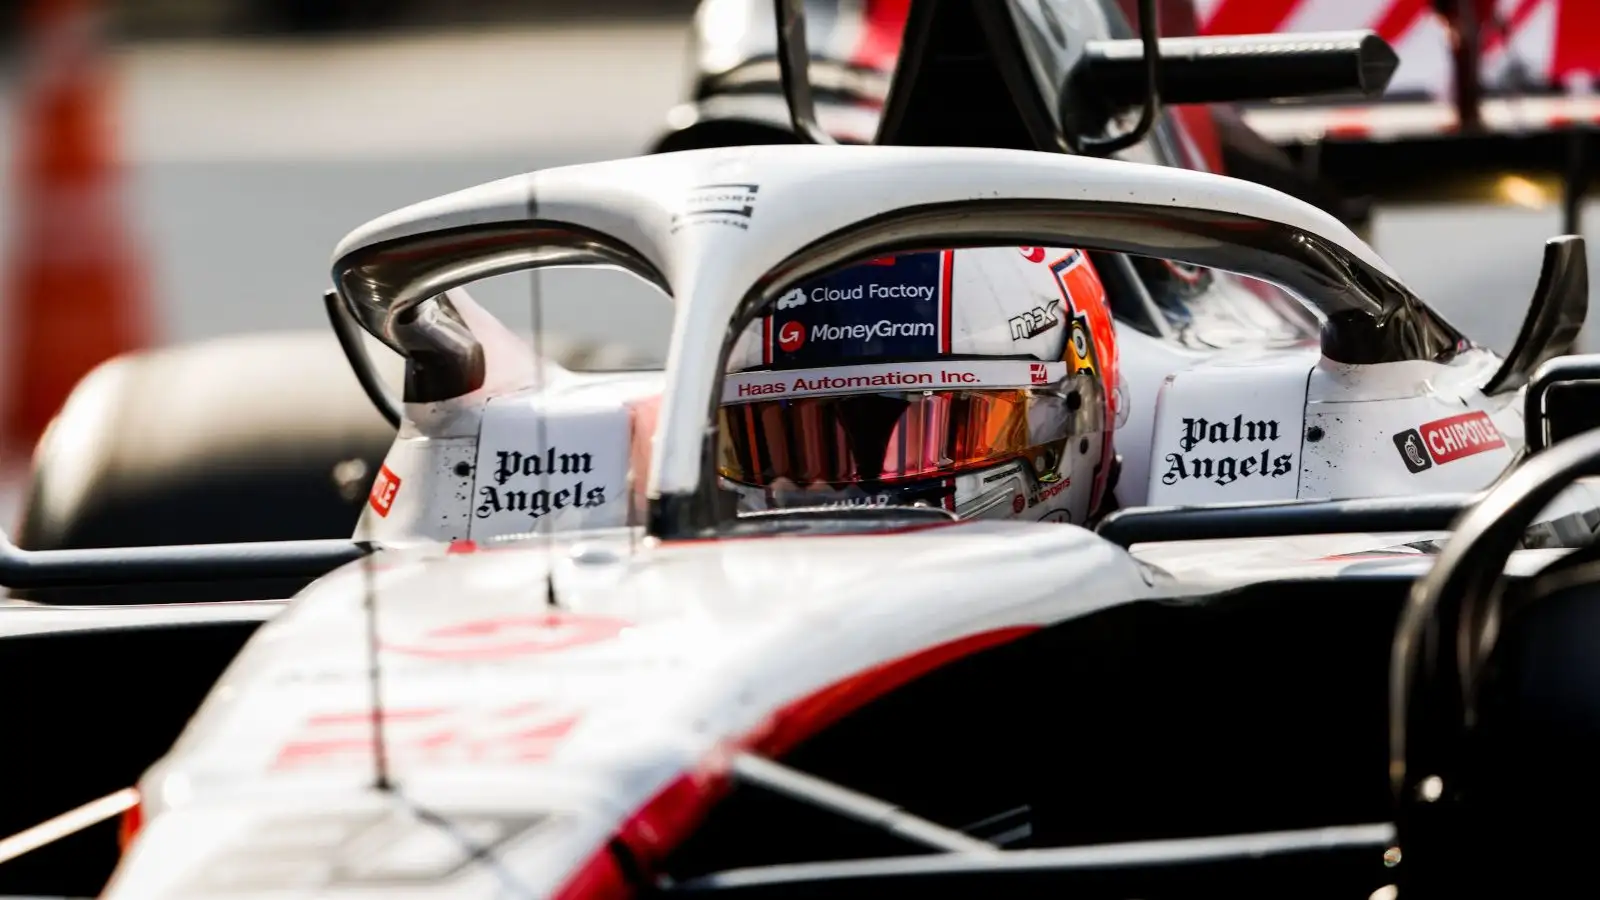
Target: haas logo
(1038, 372)
(791, 336)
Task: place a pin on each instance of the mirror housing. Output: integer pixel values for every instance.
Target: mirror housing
(444, 360)
(1555, 316)
(1563, 400)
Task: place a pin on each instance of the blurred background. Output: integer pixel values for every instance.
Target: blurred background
(222, 147)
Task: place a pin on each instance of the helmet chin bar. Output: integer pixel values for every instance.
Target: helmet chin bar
(391, 287)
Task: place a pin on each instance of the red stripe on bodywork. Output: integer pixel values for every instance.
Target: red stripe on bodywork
(128, 828)
(806, 717)
(669, 817)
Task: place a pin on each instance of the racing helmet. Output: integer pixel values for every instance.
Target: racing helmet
(981, 381)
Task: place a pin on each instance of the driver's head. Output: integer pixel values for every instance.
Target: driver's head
(980, 381)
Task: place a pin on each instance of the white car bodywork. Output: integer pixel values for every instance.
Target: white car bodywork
(544, 731)
(1357, 410)
(663, 659)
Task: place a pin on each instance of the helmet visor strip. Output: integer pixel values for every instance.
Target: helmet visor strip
(804, 438)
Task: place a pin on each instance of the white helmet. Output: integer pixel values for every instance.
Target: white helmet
(979, 380)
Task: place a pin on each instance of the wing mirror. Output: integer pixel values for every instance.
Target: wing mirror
(1560, 305)
(1563, 400)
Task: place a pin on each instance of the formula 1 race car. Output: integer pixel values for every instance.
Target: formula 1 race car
(649, 693)
(654, 692)
(273, 422)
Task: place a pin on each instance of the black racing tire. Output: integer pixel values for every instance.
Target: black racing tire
(231, 439)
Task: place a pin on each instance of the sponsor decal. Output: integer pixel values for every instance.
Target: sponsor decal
(1081, 347)
(1034, 254)
(879, 330)
(1226, 454)
(1065, 266)
(745, 386)
(1035, 321)
(862, 496)
(869, 500)
(1447, 440)
(550, 464)
(791, 336)
(1412, 451)
(728, 205)
(1461, 436)
(384, 489)
(1049, 491)
(510, 636)
(826, 294)
(509, 463)
(823, 383)
(890, 308)
(515, 733)
(1018, 503)
(495, 498)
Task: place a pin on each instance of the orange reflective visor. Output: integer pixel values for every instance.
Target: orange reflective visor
(877, 437)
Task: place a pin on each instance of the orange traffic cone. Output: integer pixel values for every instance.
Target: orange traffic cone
(74, 287)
